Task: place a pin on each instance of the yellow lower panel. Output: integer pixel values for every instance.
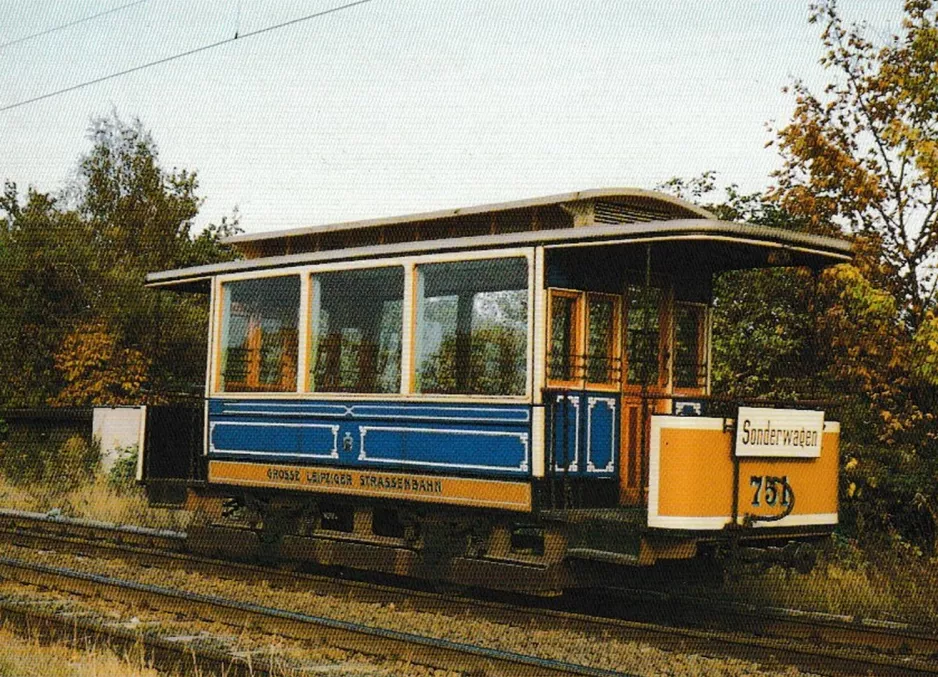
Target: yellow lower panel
(693, 472)
(413, 487)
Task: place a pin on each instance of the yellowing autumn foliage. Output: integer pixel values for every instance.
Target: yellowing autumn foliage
(97, 370)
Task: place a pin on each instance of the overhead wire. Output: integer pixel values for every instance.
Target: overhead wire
(60, 27)
(180, 55)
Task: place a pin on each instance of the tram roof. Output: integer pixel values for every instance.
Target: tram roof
(587, 218)
(587, 207)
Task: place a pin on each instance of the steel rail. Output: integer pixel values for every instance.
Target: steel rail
(768, 632)
(358, 637)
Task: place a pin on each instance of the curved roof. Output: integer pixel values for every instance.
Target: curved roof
(739, 245)
(603, 205)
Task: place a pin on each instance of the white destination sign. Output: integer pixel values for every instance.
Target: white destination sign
(779, 432)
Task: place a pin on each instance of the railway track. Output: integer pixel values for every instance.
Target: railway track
(431, 651)
(814, 642)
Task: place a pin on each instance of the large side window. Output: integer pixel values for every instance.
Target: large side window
(356, 331)
(472, 327)
(259, 334)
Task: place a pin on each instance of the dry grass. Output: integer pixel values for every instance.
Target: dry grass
(97, 501)
(885, 585)
(28, 658)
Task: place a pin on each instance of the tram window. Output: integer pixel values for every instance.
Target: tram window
(643, 337)
(472, 327)
(569, 362)
(602, 338)
(259, 335)
(563, 355)
(690, 351)
(356, 324)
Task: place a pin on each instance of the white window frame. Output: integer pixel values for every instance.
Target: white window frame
(408, 333)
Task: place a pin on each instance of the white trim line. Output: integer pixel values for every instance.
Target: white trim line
(350, 411)
(768, 244)
(814, 519)
(538, 461)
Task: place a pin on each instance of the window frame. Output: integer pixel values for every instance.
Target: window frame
(312, 327)
(408, 335)
(580, 341)
(579, 337)
(613, 385)
(665, 303)
(218, 326)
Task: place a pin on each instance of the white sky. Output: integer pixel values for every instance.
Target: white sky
(394, 107)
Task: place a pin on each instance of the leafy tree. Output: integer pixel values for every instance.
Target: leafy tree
(96, 371)
(863, 155)
(77, 325)
(47, 277)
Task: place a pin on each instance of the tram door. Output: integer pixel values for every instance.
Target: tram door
(644, 382)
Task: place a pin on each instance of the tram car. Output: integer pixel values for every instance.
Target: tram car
(499, 395)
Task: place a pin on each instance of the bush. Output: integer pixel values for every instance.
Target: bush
(123, 473)
(889, 498)
(27, 449)
(77, 461)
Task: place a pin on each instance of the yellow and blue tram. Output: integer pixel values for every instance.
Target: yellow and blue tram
(491, 394)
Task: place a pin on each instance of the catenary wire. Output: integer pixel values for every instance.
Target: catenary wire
(71, 23)
(180, 55)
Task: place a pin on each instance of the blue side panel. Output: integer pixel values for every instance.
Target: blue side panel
(565, 431)
(469, 448)
(468, 439)
(602, 424)
(582, 432)
(316, 440)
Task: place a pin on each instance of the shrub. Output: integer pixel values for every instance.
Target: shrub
(76, 463)
(123, 473)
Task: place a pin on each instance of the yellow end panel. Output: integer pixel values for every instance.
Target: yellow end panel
(691, 478)
(413, 487)
(696, 473)
(813, 482)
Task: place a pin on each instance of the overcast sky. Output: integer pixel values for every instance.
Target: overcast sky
(392, 107)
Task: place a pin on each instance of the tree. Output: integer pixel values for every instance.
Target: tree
(77, 325)
(46, 278)
(863, 156)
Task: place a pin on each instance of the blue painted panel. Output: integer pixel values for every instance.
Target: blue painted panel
(582, 432)
(295, 439)
(470, 439)
(565, 433)
(463, 448)
(601, 438)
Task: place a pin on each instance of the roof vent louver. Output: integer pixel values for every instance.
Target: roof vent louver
(607, 211)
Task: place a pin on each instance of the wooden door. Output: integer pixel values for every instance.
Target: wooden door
(645, 382)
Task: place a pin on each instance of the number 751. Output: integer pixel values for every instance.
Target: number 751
(767, 488)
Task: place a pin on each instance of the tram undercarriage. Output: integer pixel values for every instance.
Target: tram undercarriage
(541, 554)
